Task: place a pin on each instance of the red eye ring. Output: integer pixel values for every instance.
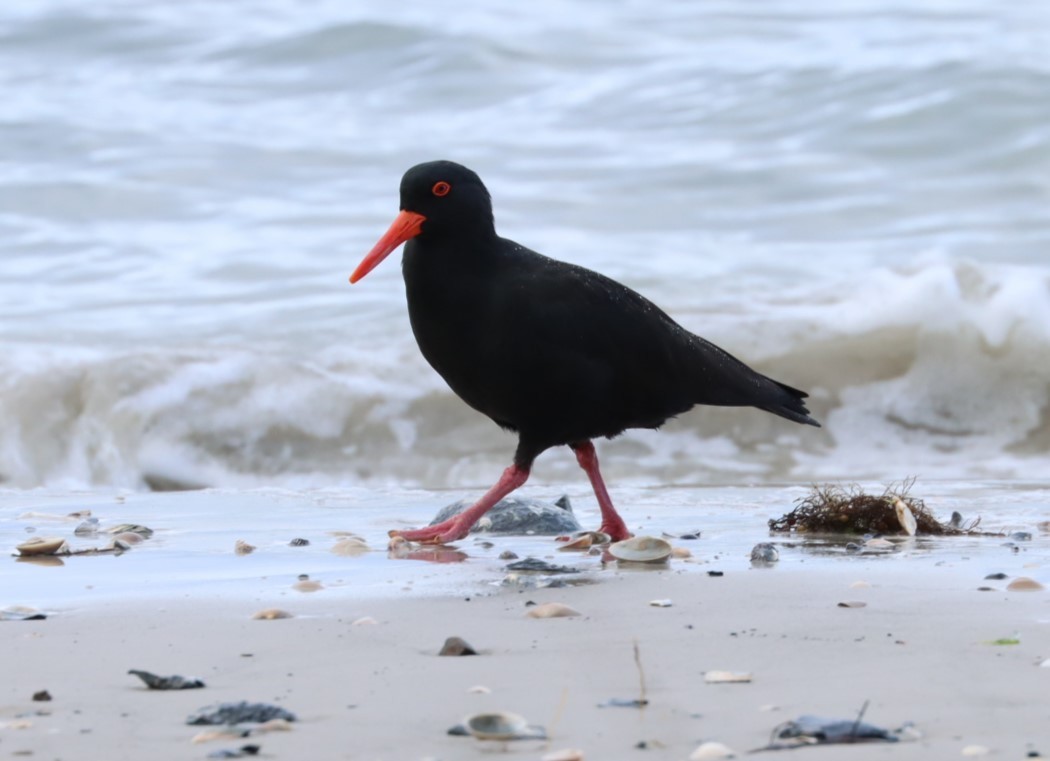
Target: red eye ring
(441, 188)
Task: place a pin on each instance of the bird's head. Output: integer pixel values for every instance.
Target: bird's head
(438, 199)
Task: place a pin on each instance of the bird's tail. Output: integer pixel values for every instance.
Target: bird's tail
(788, 404)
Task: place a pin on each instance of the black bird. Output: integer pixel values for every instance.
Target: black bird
(556, 352)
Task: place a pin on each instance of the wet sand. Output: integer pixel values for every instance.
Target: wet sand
(918, 652)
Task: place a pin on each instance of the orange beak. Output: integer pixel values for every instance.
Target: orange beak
(406, 225)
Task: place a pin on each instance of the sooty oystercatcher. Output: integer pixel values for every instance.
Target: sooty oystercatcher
(556, 352)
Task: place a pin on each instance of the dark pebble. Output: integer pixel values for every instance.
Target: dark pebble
(457, 646)
(298, 542)
(235, 713)
(41, 696)
(995, 576)
(715, 573)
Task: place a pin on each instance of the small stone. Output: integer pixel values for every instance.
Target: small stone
(479, 689)
(860, 585)
(878, 544)
(975, 750)
(508, 555)
(271, 614)
(995, 576)
(457, 646)
(552, 610)
(853, 604)
(1021, 536)
(41, 696)
(241, 547)
(307, 585)
(364, 621)
(661, 603)
(716, 573)
(1024, 584)
(299, 542)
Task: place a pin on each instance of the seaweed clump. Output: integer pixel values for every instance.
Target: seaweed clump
(831, 509)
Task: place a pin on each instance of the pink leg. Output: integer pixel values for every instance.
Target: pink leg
(612, 523)
(459, 526)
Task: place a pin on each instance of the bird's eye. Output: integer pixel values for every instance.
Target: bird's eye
(441, 189)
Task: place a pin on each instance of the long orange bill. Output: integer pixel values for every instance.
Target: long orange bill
(406, 225)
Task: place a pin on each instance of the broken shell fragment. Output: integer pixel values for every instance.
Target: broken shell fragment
(43, 545)
(173, 682)
(566, 754)
(502, 725)
(129, 538)
(905, 516)
(709, 751)
(243, 548)
(351, 547)
(552, 610)
(641, 549)
(727, 677)
(661, 603)
(271, 614)
(134, 528)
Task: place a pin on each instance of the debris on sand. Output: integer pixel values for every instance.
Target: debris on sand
(814, 730)
(173, 682)
(238, 713)
(848, 510)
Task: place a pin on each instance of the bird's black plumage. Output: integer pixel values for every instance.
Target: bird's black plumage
(554, 351)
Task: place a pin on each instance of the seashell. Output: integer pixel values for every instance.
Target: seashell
(852, 604)
(661, 603)
(271, 614)
(1021, 536)
(479, 689)
(87, 528)
(43, 545)
(1024, 584)
(878, 545)
(307, 585)
(351, 547)
(681, 552)
(243, 548)
(1045, 664)
(709, 751)
(134, 528)
(727, 677)
(641, 549)
(129, 538)
(975, 750)
(580, 543)
(499, 725)
(764, 552)
(597, 537)
(905, 517)
(274, 725)
(364, 621)
(82, 514)
(552, 610)
(566, 754)
(1043, 526)
(860, 585)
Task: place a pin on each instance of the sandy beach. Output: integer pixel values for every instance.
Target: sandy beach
(361, 673)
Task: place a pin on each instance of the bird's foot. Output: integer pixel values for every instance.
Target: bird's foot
(618, 531)
(439, 533)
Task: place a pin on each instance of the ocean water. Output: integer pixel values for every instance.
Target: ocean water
(852, 197)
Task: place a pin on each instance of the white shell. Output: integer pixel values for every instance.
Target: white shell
(498, 725)
(905, 517)
(721, 677)
(1024, 584)
(552, 610)
(566, 754)
(350, 546)
(711, 750)
(43, 545)
(641, 549)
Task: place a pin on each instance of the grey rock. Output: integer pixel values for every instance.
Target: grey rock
(235, 713)
(516, 515)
